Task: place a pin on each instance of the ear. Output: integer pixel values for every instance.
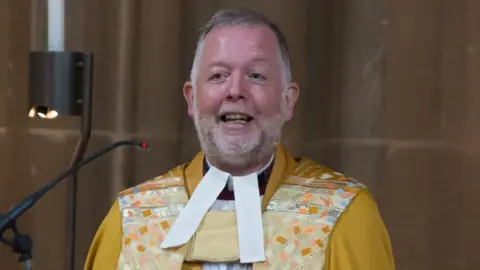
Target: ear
(290, 96)
(188, 94)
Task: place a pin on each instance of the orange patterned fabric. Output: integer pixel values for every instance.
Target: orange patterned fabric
(147, 214)
(298, 220)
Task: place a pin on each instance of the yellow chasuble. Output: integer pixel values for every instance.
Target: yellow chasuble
(313, 218)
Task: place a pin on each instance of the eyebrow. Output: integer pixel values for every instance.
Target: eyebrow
(220, 63)
(259, 59)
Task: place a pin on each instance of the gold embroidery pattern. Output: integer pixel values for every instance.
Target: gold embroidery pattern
(156, 183)
(147, 212)
(297, 223)
(300, 218)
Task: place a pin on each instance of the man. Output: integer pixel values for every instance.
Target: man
(243, 202)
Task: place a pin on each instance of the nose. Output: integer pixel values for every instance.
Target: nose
(236, 91)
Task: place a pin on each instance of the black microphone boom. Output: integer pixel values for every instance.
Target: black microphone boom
(8, 219)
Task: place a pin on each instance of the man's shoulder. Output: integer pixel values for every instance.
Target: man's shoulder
(174, 177)
(318, 191)
(309, 173)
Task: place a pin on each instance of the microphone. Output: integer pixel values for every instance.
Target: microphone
(8, 220)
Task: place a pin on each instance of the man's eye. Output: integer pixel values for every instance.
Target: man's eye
(257, 76)
(217, 76)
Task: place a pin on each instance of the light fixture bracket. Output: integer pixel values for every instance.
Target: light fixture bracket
(57, 82)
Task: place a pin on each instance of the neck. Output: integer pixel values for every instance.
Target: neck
(242, 169)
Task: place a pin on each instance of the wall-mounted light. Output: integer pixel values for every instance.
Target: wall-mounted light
(60, 84)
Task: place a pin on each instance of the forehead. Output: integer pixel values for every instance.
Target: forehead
(240, 44)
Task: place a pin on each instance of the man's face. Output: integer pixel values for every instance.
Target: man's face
(240, 102)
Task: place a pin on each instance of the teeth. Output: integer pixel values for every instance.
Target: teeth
(237, 116)
(238, 121)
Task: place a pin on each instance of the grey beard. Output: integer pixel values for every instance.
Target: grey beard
(244, 157)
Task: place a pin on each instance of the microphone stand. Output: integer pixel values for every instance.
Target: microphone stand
(21, 243)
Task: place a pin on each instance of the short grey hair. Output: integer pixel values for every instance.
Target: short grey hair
(242, 17)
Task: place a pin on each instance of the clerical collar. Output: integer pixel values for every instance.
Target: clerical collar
(248, 211)
(227, 193)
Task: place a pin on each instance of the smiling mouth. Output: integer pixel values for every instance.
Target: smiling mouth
(235, 118)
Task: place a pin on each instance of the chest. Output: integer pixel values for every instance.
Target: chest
(297, 226)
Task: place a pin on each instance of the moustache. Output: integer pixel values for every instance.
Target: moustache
(236, 108)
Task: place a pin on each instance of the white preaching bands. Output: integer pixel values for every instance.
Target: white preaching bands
(248, 211)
